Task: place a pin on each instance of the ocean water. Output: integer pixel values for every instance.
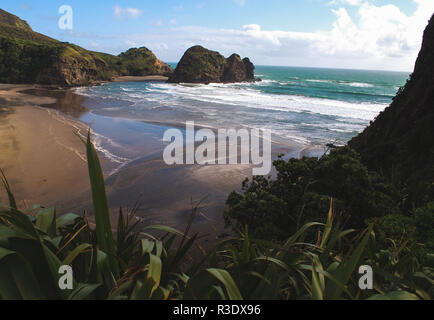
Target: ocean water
(305, 106)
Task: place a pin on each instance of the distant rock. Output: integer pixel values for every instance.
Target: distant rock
(200, 65)
(143, 62)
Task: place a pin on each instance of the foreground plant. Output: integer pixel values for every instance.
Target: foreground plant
(127, 263)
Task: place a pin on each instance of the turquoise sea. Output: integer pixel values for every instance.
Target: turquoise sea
(304, 106)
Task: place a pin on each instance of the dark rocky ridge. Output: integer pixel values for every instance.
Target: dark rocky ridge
(401, 139)
(200, 65)
(29, 57)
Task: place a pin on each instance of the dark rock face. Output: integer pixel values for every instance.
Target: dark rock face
(235, 70)
(250, 69)
(200, 65)
(401, 139)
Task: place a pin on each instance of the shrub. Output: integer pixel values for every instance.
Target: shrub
(271, 208)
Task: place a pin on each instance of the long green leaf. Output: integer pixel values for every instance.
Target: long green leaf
(5, 252)
(12, 202)
(17, 279)
(395, 295)
(7, 232)
(225, 278)
(83, 291)
(317, 292)
(66, 219)
(300, 232)
(328, 226)
(46, 221)
(346, 268)
(143, 290)
(102, 217)
(74, 254)
(21, 222)
(155, 269)
(147, 246)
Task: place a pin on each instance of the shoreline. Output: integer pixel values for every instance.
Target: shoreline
(167, 200)
(151, 78)
(139, 79)
(46, 165)
(42, 157)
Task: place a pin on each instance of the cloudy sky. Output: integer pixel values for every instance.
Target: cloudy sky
(357, 34)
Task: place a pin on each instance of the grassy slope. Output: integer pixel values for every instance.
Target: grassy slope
(29, 57)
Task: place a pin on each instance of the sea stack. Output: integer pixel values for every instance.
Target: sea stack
(200, 65)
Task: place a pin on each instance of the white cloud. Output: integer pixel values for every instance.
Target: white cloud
(344, 2)
(377, 37)
(159, 23)
(240, 2)
(374, 37)
(131, 44)
(126, 13)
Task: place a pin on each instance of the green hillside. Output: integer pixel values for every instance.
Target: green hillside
(29, 57)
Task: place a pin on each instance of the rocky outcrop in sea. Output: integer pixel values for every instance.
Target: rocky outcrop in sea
(200, 65)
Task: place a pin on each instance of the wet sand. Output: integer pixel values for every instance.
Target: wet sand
(41, 155)
(45, 162)
(139, 79)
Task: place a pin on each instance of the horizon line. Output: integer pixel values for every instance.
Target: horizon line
(325, 68)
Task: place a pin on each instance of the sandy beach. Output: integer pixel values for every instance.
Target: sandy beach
(41, 155)
(45, 163)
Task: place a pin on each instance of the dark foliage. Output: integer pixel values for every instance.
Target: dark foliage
(302, 191)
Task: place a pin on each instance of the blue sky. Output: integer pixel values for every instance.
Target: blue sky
(360, 34)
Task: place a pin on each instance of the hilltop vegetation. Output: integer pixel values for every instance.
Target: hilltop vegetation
(318, 261)
(29, 57)
(378, 193)
(386, 175)
(400, 142)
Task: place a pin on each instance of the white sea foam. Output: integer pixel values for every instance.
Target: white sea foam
(344, 83)
(319, 81)
(358, 84)
(220, 105)
(252, 98)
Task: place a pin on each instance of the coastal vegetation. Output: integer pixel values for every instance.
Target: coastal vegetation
(302, 235)
(29, 57)
(319, 260)
(384, 176)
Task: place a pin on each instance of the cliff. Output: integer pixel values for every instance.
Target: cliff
(200, 65)
(401, 140)
(29, 57)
